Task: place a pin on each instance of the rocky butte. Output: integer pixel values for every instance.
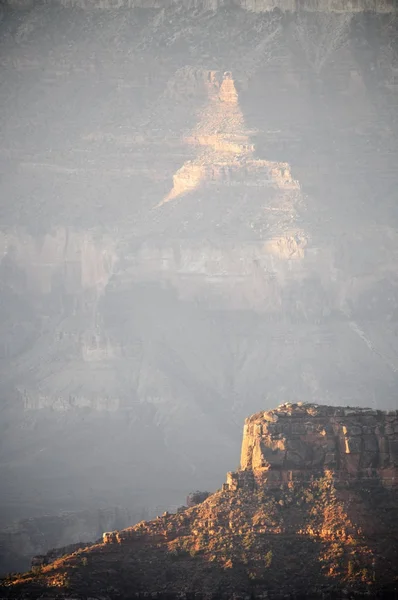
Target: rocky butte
(295, 440)
(311, 512)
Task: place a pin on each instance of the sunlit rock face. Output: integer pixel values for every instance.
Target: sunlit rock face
(198, 220)
(227, 155)
(296, 439)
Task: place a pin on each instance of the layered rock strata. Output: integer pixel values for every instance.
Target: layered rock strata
(226, 157)
(295, 440)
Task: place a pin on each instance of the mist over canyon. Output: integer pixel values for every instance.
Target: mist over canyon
(198, 214)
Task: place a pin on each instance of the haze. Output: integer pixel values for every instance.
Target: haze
(198, 221)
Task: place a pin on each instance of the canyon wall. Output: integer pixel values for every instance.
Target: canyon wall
(78, 261)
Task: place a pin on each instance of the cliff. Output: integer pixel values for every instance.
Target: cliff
(324, 528)
(293, 440)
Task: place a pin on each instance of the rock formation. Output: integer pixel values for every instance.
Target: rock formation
(324, 527)
(296, 440)
(227, 157)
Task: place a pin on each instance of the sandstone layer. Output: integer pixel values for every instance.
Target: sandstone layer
(295, 440)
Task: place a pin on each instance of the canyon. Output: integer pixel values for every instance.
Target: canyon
(198, 221)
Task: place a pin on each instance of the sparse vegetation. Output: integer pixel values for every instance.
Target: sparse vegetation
(196, 497)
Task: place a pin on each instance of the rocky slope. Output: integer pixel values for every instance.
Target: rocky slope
(20, 541)
(312, 512)
(198, 215)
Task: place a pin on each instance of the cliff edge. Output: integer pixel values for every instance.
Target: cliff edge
(311, 513)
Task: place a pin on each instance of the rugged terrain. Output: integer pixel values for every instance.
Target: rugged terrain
(22, 539)
(312, 512)
(198, 218)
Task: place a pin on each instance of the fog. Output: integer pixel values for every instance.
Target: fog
(198, 221)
